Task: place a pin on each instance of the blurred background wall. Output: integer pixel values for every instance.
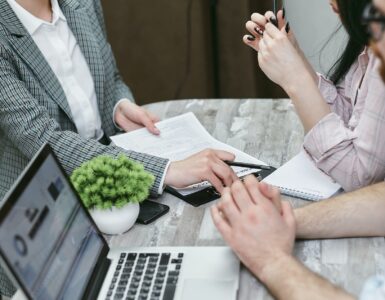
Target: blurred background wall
(181, 49)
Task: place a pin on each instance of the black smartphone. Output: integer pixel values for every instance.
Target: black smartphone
(151, 211)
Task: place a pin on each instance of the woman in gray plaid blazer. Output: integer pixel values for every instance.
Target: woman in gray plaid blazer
(34, 108)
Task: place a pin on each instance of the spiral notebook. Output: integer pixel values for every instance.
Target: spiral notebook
(300, 178)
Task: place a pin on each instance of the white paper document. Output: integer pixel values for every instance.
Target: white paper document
(180, 138)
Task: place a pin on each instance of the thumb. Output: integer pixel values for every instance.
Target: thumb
(149, 124)
(273, 194)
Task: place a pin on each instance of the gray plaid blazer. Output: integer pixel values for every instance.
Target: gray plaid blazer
(33, 106)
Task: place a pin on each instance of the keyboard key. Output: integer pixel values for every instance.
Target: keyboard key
(165, 258)
(114, 280)
(123, 282)
(156, 294)
(131, 256)
(177, 267)
(121, 261)
(109, 294)
(141, 261)
(172, 280)
(116, 274)
(161, 274)
(139, 267)
(130, 298)
(123, 255)
(112, 286)
(173, 273)
(147, 283)
(162, 268)
(134, 285)
(119, 296)
(176, 261)
(159, 281)
(132, 292)
(169, 292)
(118, 267)
(120, 289)
(180, 255)
(129, 263)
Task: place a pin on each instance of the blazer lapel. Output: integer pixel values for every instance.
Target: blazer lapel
(23, 44)
(78, 21)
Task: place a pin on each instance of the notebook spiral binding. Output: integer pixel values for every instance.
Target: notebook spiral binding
(300, 194)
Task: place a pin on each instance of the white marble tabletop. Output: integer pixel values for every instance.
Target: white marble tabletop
(271, 131)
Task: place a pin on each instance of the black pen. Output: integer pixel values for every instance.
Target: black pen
(275, 7)
(247, 165)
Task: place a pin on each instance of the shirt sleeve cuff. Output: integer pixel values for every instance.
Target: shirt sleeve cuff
(115, 108)
(162, 186)
(319, 139)
(327, 89)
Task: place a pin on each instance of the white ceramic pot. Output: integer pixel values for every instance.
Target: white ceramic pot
(116, 220)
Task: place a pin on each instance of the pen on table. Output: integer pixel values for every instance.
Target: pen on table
(247, 165)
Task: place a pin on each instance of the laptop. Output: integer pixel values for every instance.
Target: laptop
(51, 248)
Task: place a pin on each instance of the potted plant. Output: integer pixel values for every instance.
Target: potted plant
(111, 189)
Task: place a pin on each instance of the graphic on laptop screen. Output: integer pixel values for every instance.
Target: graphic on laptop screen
(46, 234)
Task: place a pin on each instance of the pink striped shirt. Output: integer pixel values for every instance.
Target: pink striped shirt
(349, 143)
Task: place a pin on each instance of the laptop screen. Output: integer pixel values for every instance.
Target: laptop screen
(47, 239)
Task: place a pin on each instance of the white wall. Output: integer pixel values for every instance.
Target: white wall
(314, 22)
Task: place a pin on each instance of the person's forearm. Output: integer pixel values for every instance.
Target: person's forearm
(307, 99)
(357, 214)
(288, 279)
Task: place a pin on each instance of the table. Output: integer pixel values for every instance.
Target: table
(271, 131)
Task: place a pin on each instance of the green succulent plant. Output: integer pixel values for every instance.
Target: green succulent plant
(104, 182)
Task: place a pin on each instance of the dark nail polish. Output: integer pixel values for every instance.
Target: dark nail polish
(251, 38)
(283, 12)
(287, 28)
(274, 21)
(259, 31)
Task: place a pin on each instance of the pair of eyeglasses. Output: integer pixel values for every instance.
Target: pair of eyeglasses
(374, 20)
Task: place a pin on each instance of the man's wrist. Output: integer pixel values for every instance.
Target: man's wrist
(273, 269)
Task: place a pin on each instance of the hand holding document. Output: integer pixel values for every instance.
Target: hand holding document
(179, 138)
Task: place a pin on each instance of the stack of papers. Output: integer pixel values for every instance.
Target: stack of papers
(180, 138)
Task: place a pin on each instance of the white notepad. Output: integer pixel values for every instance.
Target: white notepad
(300, 178)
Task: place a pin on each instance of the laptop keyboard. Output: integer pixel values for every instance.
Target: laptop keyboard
(142, 276)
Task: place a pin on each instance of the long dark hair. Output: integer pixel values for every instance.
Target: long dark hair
(350, 14)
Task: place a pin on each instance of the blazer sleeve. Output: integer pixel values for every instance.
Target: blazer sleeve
(29, 125)
(121, 89)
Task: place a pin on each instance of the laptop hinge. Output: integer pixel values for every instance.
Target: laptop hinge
(97, 279)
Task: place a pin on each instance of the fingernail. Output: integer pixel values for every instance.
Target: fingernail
(259, 31)
(274, 21)
(287, 28)
(283, 12)
(250, 38)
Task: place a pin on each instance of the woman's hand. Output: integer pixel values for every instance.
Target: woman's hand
(256, 27)
(279, 59)
(206, 165)
(130, 116)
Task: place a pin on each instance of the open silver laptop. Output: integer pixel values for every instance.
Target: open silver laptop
(52, 249)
